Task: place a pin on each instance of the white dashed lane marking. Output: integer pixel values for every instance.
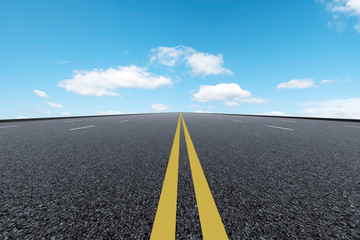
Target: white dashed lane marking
(72, 129)
(11, 126)
(289, 129)
(352, 126)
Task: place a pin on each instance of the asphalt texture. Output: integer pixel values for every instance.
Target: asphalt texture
(104, 181)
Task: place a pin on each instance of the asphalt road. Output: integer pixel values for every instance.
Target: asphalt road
(101, 178)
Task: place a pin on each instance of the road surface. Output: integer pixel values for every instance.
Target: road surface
(101, 178)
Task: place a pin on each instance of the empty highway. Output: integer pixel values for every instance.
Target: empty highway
(103, 177)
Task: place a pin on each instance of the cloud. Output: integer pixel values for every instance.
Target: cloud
(297, 84)
(200, 63)
(54, 105)
(325, 81)
(41, 93)
(341, 9)
(357, 27)
(62, 62)
(336, 24)
(65, 113)
(231, 104)
(207, 64)
(100, 82)
(201, 111)
(170, 56)
(232, 93)
(351, 7)
(220, 92)
(21, 117)
(273, 113)
(339, 108)
(328, 81)
(157, 107)
(110, 112)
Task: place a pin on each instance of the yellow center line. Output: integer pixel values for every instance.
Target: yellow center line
(211, 224)
(165, 219)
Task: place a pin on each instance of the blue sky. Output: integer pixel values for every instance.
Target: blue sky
(60, 58)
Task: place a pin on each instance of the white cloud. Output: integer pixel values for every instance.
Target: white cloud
(341, 9)
(21, 117)
(297, 84)
(351, 7)
(325, 81)
(62, 62)
(65, 113)
(157, 107)
(273, 113)
(231, 104)
(47, 113)
(54, 105)
(339, 108)
(201, 111)
(41, 93)
(336, 24)
(170, 56)
(232, 93)
(100, 82)
(221, 92)
(200, 63)
(328, 81)
(357, 27)
(110, 112)
(207, 64)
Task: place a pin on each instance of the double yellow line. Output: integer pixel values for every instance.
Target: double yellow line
(165, 219)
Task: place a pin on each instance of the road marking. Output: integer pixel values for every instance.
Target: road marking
(352, 126)
(74, 121)
(165, 219)
(211, 224)
(289, 129)
(289, 121)
(124, 121)
(72, 129)
(237, 121)
(11, 126)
